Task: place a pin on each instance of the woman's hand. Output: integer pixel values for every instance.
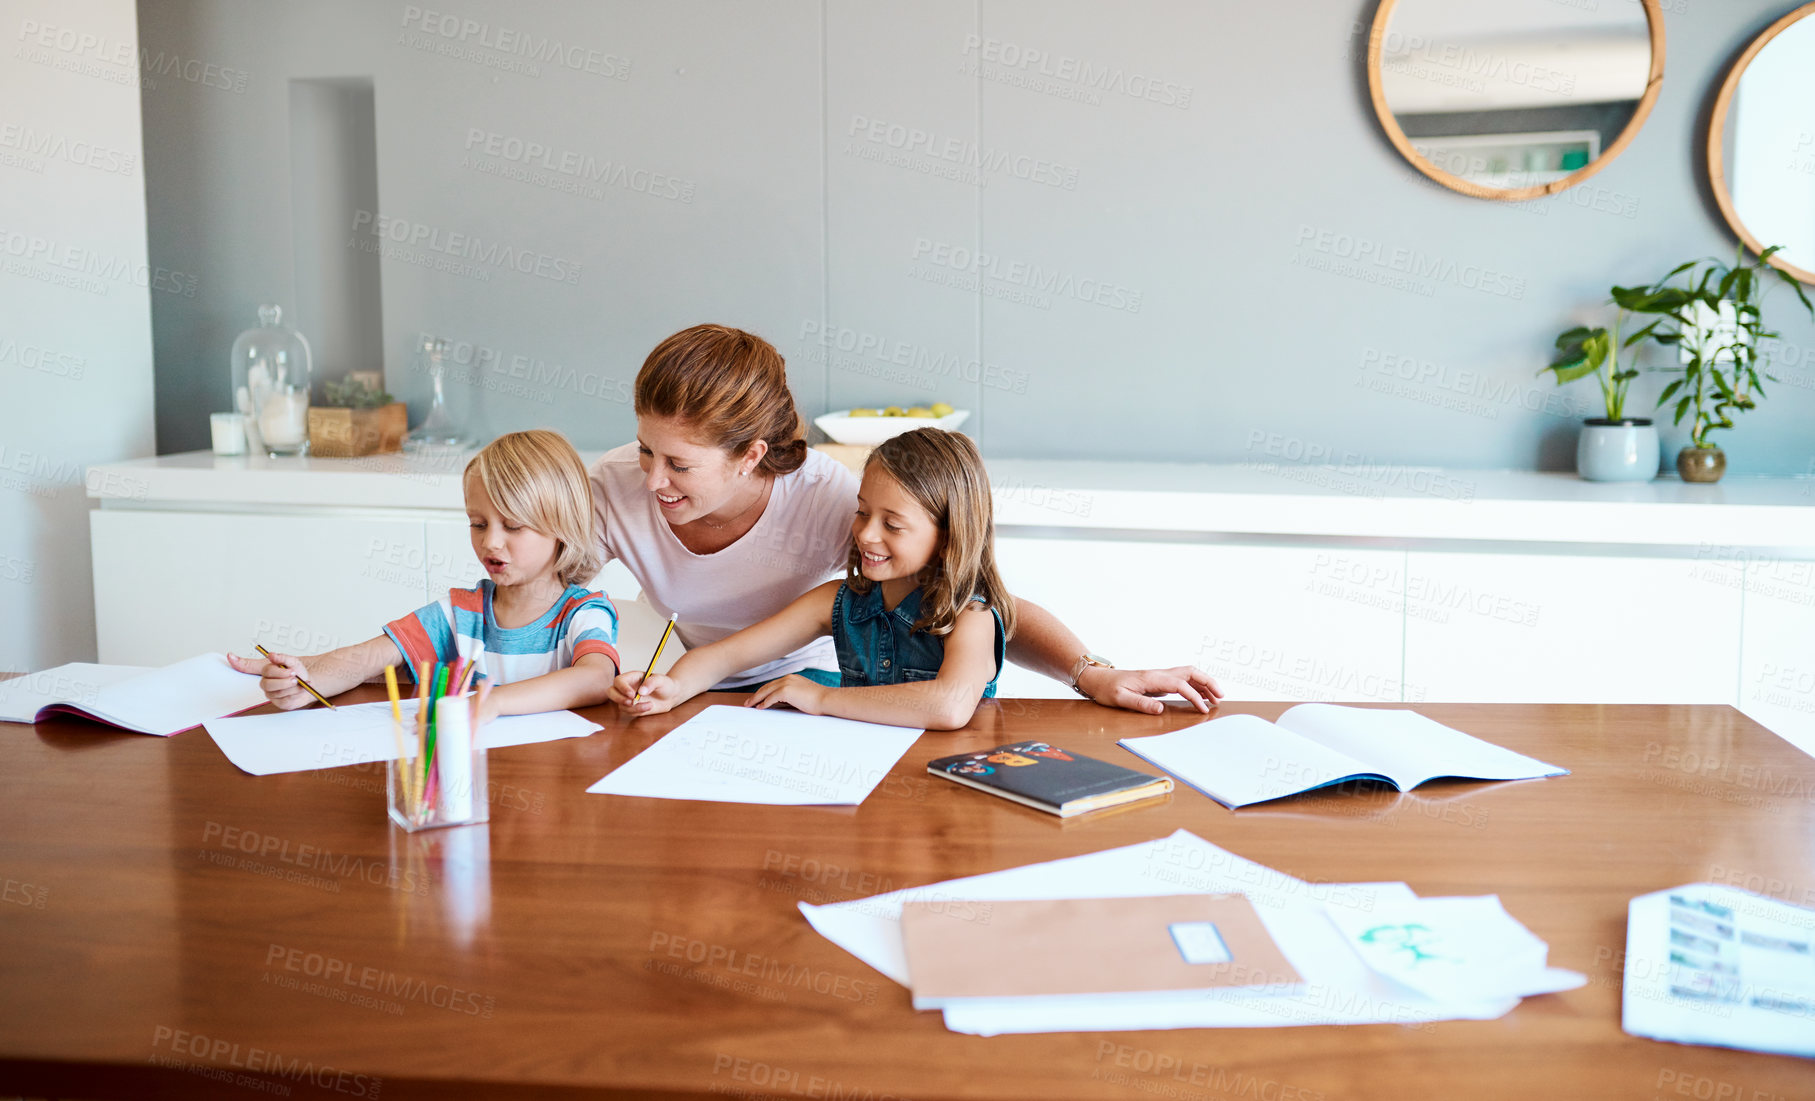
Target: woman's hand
(794, 690)
(1135, 689)
(277, 679)
(658, 694)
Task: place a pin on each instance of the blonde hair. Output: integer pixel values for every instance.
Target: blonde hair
(536, 479)
(943, 472)
(732, 387)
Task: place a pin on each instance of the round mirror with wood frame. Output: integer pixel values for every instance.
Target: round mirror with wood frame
(1498, 102)
(1778, 139)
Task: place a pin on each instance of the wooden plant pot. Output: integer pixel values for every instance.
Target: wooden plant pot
(348, 433)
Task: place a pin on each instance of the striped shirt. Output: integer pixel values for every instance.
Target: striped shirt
(578, 623)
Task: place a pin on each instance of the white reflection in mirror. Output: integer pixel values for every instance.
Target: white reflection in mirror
(1510, 94)
(1770, 145)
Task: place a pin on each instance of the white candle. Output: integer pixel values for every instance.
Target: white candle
(229, 433)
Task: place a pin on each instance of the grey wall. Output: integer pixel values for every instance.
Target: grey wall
(1195, 233)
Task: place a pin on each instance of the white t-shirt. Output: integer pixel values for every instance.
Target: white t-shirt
(801, 539)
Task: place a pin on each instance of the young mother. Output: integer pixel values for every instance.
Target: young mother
(724, 515)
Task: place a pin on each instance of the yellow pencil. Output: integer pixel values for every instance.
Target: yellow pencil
(403, 766)
(299, 680)
(654, 658)
(471, 672)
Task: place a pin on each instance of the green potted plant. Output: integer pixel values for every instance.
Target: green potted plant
(1614, 448)
(1715, 321)
(357, 418)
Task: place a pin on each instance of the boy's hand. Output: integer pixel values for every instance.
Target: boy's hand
(659, 693)
(484, 710)
(277, 678)
(794, 690)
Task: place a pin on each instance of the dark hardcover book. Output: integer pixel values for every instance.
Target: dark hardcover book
(1048, 778)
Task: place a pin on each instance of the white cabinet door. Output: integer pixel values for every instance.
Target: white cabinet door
(1269, 622)
(1535, 628)
(450, 562)
(1777, 666)
(170, 585)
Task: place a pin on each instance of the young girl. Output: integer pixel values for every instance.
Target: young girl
(920, 622)
(547, 642)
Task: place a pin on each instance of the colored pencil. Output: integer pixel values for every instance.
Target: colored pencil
(404, 763)
(424, 675)
(467, 676)
(472, 666)
(440, 690)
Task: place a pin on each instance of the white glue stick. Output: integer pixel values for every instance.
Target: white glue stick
(454, 751)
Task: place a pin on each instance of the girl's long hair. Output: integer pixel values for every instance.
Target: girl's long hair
(944, 473)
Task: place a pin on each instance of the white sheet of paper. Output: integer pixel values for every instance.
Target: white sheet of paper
(357, 734)
(1707, 964)
(730, 754)
(168, 700)
(1339, 987)
(1454, 949)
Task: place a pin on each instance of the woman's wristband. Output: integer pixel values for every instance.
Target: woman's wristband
(1084, 662)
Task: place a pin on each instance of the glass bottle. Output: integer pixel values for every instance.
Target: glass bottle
(445, 424)
(272, 372)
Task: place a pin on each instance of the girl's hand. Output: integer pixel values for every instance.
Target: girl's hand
(659, 693)
(794, 690)
(277, 679)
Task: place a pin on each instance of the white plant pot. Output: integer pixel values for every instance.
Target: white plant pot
(1617, 451)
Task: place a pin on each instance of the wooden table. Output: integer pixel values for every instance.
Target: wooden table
(171, 927)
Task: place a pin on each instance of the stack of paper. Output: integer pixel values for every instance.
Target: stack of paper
(357, 734)
(1717, 965)
(1367, 953)
(751, 755)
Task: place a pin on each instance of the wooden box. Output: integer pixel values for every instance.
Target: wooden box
(347, 433)
(852, 455)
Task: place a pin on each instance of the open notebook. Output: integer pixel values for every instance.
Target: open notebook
(1244, 759)
(145, 701)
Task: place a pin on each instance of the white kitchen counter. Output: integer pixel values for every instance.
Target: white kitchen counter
(1286, 581)
(1411, 503)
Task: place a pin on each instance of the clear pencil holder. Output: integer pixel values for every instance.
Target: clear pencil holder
(446, 787)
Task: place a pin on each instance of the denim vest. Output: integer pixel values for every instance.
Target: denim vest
(880, 646)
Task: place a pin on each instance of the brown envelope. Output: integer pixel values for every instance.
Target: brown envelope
(1087, 946)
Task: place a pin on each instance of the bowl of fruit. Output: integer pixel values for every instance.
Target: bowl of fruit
(870, 426)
